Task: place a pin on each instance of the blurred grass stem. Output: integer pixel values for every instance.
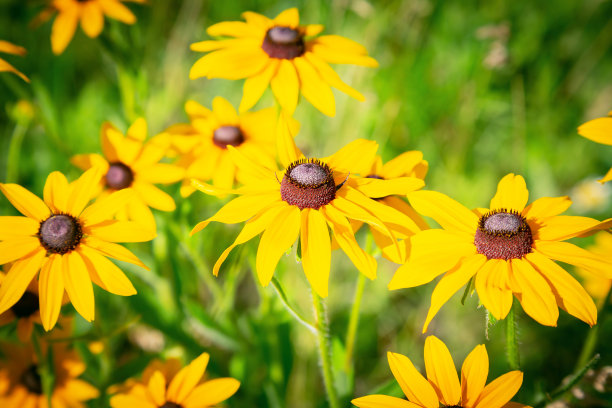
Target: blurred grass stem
(14, 152)
(351, 332)
(290, 309)
(591, 339)
(325, 349)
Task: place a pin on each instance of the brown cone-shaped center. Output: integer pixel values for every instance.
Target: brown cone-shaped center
(171, 405)
(31, 380)
(503, 234)
(119, 176)
(284, 43)
(308, 183)
(228, 136)
(26, 306)
(60, 233)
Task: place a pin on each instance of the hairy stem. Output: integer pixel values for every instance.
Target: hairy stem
(512, 349)
(325, 349)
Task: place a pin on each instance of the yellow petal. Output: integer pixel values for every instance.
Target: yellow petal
(413, 384)
(497, 300)
(574, 255)
(447, 212)
(402, 165)
(354, 157)
(56, 192)
(112, 278)
(212, 392)
(286, 149)
(78, 285)
(563, 227)
(63, 29)
(314, 88)
(432, 252)
(598, 130)
(276, 239)
(547, 207)
(288, 18)
(238, 62)
(376, 188)
(286, 86)
(607, 177)
(501, 390)
(114, 9)
(18, 278)
(316, 250)
(233, 29)
(224, 111)
(342, 44)
(51, 290)
(104, 208)
(120, 231)
(511, 194)
(441, 371)
(225, 172)
(108, 136)
(82, 190)
(92, 19)
(25, 202)
(382, 401)
(251, 166)
(331, 77)
(313, 29)
(112, 250)
(403, 207)
(16, 226)
(18, 247)
(474, 374)
(130, 401)
(138, 130)
(570, 295)
(153, 196)
(257, 19)
(356, 212)
(255, 86)
(186, 379)
(140, 213)
(157, 388)
(126, 149)
(9, 48)
(451, 282)
(6, 67)
(163, 173)
(536, 298)
(335, 56)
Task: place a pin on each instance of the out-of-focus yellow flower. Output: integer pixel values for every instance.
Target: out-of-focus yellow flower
(600, 131)
(8, 48)
(596, 285)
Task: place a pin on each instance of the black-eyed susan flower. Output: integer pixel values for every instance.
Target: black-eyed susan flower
(282, 54)
(596, 285)
(168, 388)
(600, 131)
(202, 145)
(21, 384)
(68, 242)
(307, 198)
(90, 13)
(508, 249)
(442, 386)
(131, 163)
(8, 48)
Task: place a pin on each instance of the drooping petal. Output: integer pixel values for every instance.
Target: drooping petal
(511, 194)
(63, 29)
(316, 250)
(414, 385)
(17, 226)
(441, 371)
(474, 373)
(120, 231)
(383, 401)
(574, 255)
(18, 278)
(547, 207)
(211, 393)
(536, 296)
(314, 88)
(496, 299)
(25, 202)
(51, 290)
(92, 19)
(78, 285)
(112, 278)
(286, 86)
(186, 379)
(55, 192)
(447, 212)
(501, 390)
(331, 77)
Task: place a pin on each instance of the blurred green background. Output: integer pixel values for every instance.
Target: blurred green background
(481, 88)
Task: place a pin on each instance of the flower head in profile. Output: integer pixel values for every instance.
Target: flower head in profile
(202, 145)
(8, 48)
(442, 386)
(307, 198)
(90, 13)
(130, 162)
(21, 384)
(68, 242)
(283, 54)
(596, 285)
(509, 249)
(600, 131)
(166, 386)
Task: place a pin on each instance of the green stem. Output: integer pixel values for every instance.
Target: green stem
(12, 167)
(45, 368)
(351, 332)
(290, 309)
(512, 349)
(325, 349)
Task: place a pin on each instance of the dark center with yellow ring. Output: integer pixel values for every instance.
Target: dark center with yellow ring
(228, 136)
(171, 405)
(283, 43)
(60, 233)
(26, 306)
(119, 176)
(503, 234)
(31, 380)
(308, 183)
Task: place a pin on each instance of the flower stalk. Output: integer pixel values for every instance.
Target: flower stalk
(325, 349)
(512, 349)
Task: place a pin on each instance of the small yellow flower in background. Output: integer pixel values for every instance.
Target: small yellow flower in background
(182, 389)
(68, 242)
(202, 144)
(442, 386)
(8, 48)
(131, 163)
(21, 385)
(508, 249)
(89, 12)
(600, 131)
(596, 285)
(306, 199)
(280, 53)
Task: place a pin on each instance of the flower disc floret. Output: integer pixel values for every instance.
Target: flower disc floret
(283, 43)
(503, 234)
(228, 136)
(60, 233)
(308, 183)
(119, 176)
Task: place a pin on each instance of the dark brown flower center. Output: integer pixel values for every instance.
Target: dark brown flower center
(60, 233)
(308, 183)
(228, 136)
(26, 306)
(119, 176)
(171, 405)
(31, 380)
(284, 43)
(503, 234)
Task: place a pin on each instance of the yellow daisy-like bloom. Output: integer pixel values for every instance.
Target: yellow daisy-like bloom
(21, 385)
(598, 286)
(600, 131)
(508, 249)
(280, 53)
(202, 144)
(167, 388)
(68, 242)
(442, 386)
(307, 198)
(8, 48)
(91, 15)
(131, 163)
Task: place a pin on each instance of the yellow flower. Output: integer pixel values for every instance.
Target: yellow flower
(306, 198)
(442, 386)
(202, 145)
(21, 385)
(67, 241)
(182, 389)
(596, 285)
(131, 163)
(508, 249)
(91, 15)
(600, 131)
(8, 48)
(282, 54)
